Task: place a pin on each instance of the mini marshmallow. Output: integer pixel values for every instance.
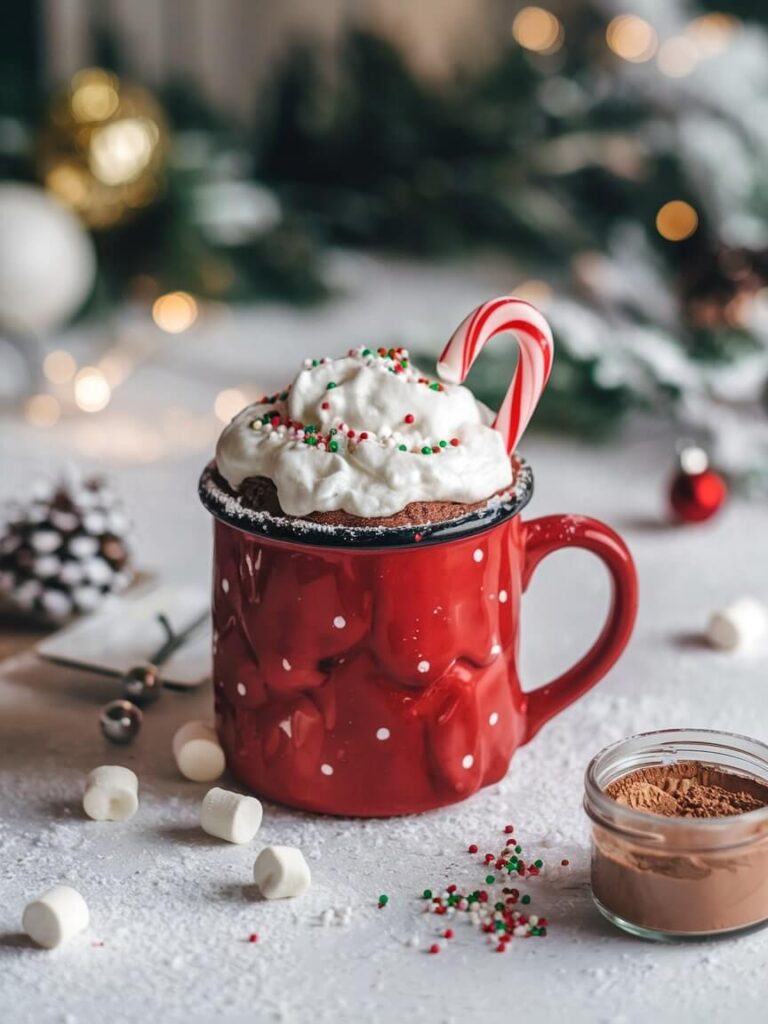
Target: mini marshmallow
(230, 816)
(111, 793)
(197, 752)
(56, 916)
(741, 624)
(281, 872)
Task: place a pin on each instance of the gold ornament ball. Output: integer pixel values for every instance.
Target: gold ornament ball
(103, 150)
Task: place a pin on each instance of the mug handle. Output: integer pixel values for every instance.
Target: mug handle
(544, 536)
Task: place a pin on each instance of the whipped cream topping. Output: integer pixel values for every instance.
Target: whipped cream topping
(366, 434)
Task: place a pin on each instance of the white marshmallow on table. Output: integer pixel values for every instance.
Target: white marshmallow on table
(230, 816)
(281, 872)
(741, 624)
(197, 752)
(111, 793)
(56, 916)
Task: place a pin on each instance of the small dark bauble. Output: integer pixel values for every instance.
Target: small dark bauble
(142, 684)
(120, 721)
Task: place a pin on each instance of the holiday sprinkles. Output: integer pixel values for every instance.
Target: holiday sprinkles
(498, 908)
(366, 433)
(340, 438)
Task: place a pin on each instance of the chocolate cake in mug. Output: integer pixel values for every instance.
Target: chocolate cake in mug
(369, 564)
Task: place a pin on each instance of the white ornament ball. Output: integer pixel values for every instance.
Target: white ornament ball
(47, 260)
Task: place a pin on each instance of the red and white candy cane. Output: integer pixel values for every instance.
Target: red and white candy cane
(500, 316)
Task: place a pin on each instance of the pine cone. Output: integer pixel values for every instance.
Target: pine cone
(65, 551)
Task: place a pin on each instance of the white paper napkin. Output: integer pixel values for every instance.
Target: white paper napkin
(125, 632)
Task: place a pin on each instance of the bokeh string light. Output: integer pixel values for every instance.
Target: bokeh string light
(94, 95)
(676, 220)
(59, 367)
(116, 364)
(537, 29)
(42, 410)
(121, 151)
(92, 391)
(228, 404)
(704, 38)
(631, 38)
(175, 312)
(677, 57)
(635, 40)
(711, 33)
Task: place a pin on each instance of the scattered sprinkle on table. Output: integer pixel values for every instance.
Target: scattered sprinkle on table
(493, 910)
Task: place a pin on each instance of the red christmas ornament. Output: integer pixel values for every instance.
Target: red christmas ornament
(697, 492)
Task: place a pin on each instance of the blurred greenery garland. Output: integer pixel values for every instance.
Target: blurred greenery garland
(561, 161)
(560, 164)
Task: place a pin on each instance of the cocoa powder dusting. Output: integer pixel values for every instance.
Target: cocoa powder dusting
(688, 789)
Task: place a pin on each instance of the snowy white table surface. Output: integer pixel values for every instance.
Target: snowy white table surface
(172, 909)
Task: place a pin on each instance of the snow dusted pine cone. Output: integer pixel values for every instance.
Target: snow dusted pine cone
(62, 553)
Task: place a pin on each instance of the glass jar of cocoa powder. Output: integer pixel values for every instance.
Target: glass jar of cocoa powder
(680, 833)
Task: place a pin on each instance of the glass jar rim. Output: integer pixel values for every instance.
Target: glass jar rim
(227, 508)
(711, 746)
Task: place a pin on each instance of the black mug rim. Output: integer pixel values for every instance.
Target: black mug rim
(227, 508)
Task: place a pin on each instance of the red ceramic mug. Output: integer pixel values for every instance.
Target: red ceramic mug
(375, 672)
